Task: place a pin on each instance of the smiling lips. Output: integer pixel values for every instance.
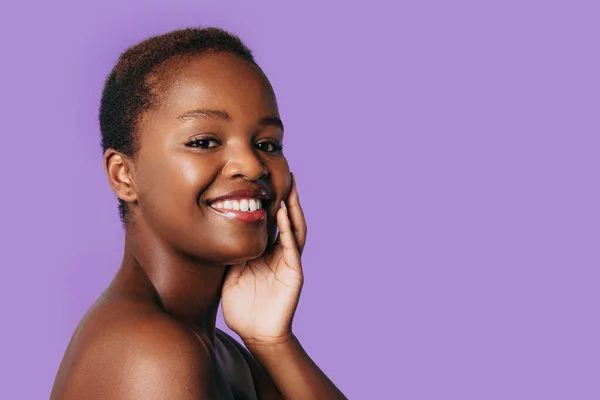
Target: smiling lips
(247, 210)
(243, 205)
(238, 205)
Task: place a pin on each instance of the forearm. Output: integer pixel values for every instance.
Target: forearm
(293, 372)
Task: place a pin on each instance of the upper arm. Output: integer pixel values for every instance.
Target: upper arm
(152, 360)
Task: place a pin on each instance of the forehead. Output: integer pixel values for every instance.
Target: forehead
(220, 81)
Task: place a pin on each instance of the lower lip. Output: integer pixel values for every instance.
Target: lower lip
(244, 216)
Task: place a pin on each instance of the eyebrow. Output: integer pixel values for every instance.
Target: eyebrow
(224, 116)
(271, 121)
(204, 113)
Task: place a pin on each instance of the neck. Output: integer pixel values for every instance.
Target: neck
(186, 288)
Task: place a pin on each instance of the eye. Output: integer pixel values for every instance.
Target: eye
(202, 142)
(270, 146)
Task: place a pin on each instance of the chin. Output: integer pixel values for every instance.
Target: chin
(235, 252)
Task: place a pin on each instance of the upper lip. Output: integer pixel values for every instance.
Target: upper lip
(257, 193)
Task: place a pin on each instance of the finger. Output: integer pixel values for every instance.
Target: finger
(296, 215)
(287, 241)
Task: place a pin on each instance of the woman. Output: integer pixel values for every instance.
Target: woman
(192, 145)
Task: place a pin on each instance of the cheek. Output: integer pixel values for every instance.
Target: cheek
(280, 177)
(174, 183)
(280, 181)
(194, 172)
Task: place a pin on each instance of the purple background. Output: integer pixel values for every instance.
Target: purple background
(446, 156)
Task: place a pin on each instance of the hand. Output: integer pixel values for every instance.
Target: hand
(260, 296)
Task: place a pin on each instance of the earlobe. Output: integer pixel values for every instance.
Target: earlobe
(117, 167)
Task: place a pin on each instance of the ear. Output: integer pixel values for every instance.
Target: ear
(118, 168)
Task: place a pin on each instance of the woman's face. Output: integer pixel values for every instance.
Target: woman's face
(214, 130)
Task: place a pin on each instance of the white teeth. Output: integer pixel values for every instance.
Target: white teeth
(252, 205)
(239, 205)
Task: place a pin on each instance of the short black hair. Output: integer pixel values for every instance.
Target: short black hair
(128, 92)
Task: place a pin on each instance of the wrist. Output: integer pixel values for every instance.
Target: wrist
(276, 355)
(270, 342)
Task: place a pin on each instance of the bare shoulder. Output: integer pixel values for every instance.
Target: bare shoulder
(146, 355)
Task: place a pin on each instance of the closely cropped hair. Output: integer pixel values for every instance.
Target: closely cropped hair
(128, 89)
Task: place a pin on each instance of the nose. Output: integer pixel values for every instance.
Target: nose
(243, 161)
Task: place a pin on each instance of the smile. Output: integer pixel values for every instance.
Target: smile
(246, 210)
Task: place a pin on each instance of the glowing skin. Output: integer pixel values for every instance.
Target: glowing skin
(209, 154)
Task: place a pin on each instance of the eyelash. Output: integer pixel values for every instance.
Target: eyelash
(277, 146)
(196, 142)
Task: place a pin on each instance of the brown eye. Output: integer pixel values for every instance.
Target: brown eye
(203, 143)
(270, 146)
